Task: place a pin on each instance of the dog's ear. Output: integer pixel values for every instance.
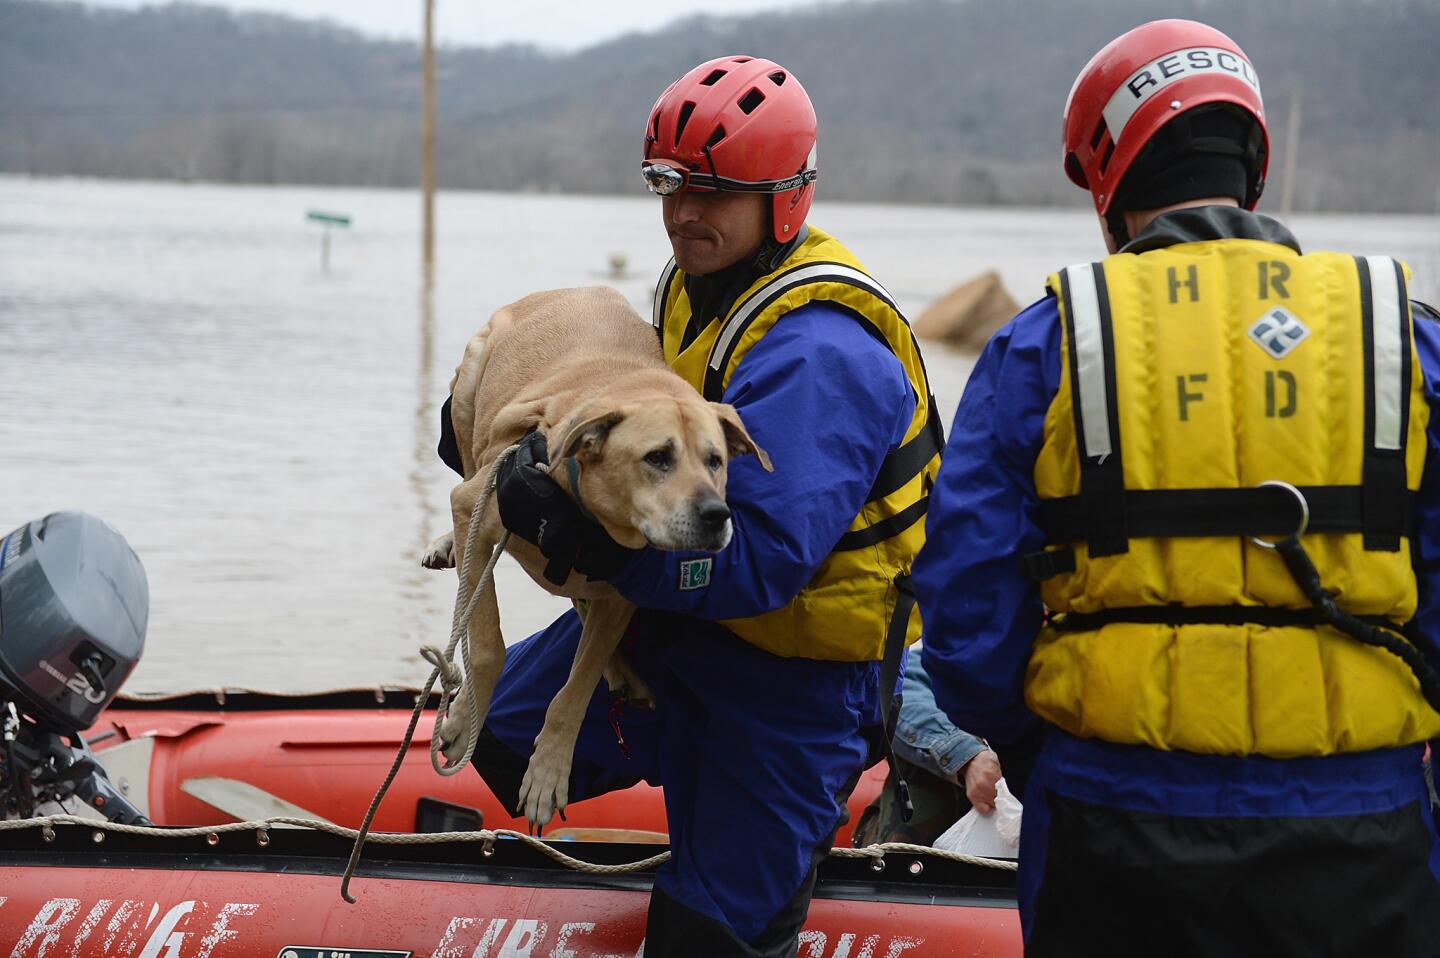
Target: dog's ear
(737, 440)
(586, 437)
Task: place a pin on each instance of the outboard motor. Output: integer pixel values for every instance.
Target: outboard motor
(73, 608)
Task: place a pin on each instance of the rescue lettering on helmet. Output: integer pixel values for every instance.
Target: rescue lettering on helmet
(1163, 71)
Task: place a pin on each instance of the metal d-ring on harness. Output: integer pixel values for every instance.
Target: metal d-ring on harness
(1307, 577)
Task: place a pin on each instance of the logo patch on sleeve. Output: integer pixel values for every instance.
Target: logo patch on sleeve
(695, 574)
(1278, 332)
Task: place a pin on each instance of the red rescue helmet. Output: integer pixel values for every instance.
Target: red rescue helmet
(737, 124)
(1142, 80)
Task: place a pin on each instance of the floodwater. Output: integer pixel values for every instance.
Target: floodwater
(174, 359)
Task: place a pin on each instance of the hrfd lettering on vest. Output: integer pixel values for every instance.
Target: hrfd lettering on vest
(1190, 282)
(1163, 71)
(1186, 397)
(1273, 275)
(1292, 392)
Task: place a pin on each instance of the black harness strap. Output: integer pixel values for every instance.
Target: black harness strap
(885, 528)
(908, 461)
(1371, 630)
(889, 675)
(1201, 615)
(1307, 577)
(1192, 513)
(1047, 564)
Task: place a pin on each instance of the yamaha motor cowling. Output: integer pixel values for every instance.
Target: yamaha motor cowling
(73, 606)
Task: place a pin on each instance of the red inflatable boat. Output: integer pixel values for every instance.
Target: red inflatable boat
(206, 759)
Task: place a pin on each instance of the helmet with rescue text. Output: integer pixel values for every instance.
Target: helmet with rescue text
(1166, 113)
(74, 604)
(736, 124)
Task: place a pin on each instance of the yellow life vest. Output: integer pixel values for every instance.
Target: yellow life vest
(861, 589)
(1190, 376)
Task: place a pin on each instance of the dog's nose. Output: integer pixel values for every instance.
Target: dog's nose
(713, 512)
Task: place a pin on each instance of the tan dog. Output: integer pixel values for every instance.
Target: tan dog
(582, 367)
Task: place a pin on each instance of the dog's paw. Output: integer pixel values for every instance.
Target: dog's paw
(441, 554)
(545, 789)
(452, 732)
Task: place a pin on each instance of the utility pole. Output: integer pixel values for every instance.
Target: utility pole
(427, 141)
(424, 403)
(1292, 151)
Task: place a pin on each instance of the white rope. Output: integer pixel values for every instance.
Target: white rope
(486, 836)
(444, 670)
(451, 677)
(878, 852)
(219, 692)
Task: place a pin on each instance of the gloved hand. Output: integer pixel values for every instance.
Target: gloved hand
(533, 507)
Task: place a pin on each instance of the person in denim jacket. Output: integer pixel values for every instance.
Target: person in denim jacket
(947, 769)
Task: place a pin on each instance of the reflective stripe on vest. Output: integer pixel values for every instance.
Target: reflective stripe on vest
(1390, 336)
(745, 312)
(1094, 378)
(662, 294)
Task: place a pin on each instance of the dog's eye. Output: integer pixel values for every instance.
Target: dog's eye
(659, 458)
(715, 462)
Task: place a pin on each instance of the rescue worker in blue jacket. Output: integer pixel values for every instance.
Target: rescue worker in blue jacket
(764, 659)
(1183, 556)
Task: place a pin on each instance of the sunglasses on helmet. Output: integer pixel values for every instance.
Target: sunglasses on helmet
(666, 180)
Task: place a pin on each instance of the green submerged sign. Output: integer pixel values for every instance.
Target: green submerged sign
(329, 219)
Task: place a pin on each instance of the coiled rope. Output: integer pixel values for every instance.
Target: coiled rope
(450, 676)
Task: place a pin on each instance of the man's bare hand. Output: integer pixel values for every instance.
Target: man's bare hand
(980, 775)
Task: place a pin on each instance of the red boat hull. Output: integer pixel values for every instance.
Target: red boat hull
(96, 911)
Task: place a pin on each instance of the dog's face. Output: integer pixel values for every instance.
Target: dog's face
(653, 473)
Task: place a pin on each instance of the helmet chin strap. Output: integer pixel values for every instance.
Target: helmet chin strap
(1115, 223)
(772, 253)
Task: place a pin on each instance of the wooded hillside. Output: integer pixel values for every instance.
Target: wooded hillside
(919, 100)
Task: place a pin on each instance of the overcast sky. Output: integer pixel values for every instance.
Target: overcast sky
(562, 24)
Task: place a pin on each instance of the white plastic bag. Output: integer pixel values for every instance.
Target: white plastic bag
(996, 835)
